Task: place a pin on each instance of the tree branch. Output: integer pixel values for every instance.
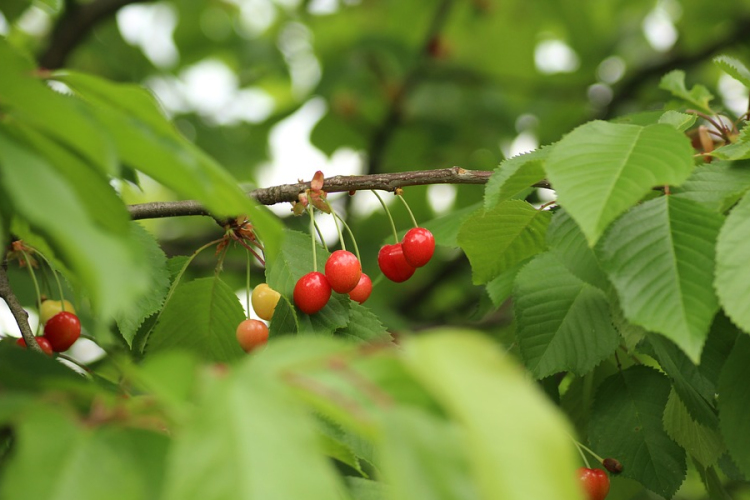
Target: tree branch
(73, 27)
(340, 183)
(20, 315)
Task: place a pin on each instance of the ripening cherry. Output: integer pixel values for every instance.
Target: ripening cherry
(393, 264)
(363, 289)
(251, 334)
(62, 330)
(43, 343)
(343, 271)
(311, 293)
(595, 483)
(49, 308)
(264, 299)
(418, 245)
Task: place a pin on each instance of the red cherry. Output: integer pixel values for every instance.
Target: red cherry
(393, 264)
(311, 293)
(62, 330)
(363, 289)
(419, 245)
(595, 483)
(252, 333)
(343, 271)
(43, 343)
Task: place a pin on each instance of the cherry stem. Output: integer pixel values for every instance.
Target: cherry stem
(57, 279)
(75, 362)
(583, 455)
(408, 209)
(36, 283)
(719, 125)
(336, 223)
(247, 286)
(351, 235)
(320, 235)
(581, 445)
(388, 212)
(311, 211)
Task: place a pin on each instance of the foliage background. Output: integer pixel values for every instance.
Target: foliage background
(385, 86)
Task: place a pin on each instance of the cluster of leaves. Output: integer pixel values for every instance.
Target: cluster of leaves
(635, 285)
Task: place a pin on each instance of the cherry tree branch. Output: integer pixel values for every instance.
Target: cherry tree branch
(19, 313)
(74, 26)
(340, 183)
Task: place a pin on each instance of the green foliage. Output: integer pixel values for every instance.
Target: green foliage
(615, 315)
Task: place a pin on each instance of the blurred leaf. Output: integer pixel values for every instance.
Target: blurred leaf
(508, 435)
(364, 489)
(660, 258)
(698, 96)
(734, 405)
(78, 461)
(243, 440)
(107, 263)
(564, 324)
(498, 239)
(601, 169)
(416, 465)
(701, 442)
(201, 317)
(680, 121)
(732, 279)
(626, 422)
(151, 301)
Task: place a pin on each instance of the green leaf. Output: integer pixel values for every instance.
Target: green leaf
(78, 461)
(26, 97)
(514, 175)
(680, 121)
(445, 228)
(695, 391)
(660, 258)
(564, 323)
(424, 458)
(284, 319)
(699, 96)
(734, 68)
(500, 288)
(498, 239)
(732, 273)
(701, 442)
(150, 301)
(630, 333)
(365, 489)
(107, 263)
(601, 169)
(718, 185)
(719, 344)
(738, 150)
(713, 483)
(201, 317)
(245, 437)
(286, 267)
(626, 422)
(734, 404)
(363, 325)
(568, 243)
(507, 435)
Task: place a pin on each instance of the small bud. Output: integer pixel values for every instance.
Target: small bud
(612, 465)
(398, 192)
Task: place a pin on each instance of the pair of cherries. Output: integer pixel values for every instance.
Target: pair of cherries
(61, 327)
(343, 274)
(399, 261)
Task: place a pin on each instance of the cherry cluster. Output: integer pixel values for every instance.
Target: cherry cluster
(61, 327)
(399, 261)
(343, 274)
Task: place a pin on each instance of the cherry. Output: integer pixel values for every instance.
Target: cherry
(419, 245)
(595, 483)
(62, 330)
(51, 307)
(392, 262)
(343, 271)
(363, 289)
(264, 299)
(252, 333)
(311, 293)
(43, 343)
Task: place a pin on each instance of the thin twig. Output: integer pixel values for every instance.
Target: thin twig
(20, 315)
